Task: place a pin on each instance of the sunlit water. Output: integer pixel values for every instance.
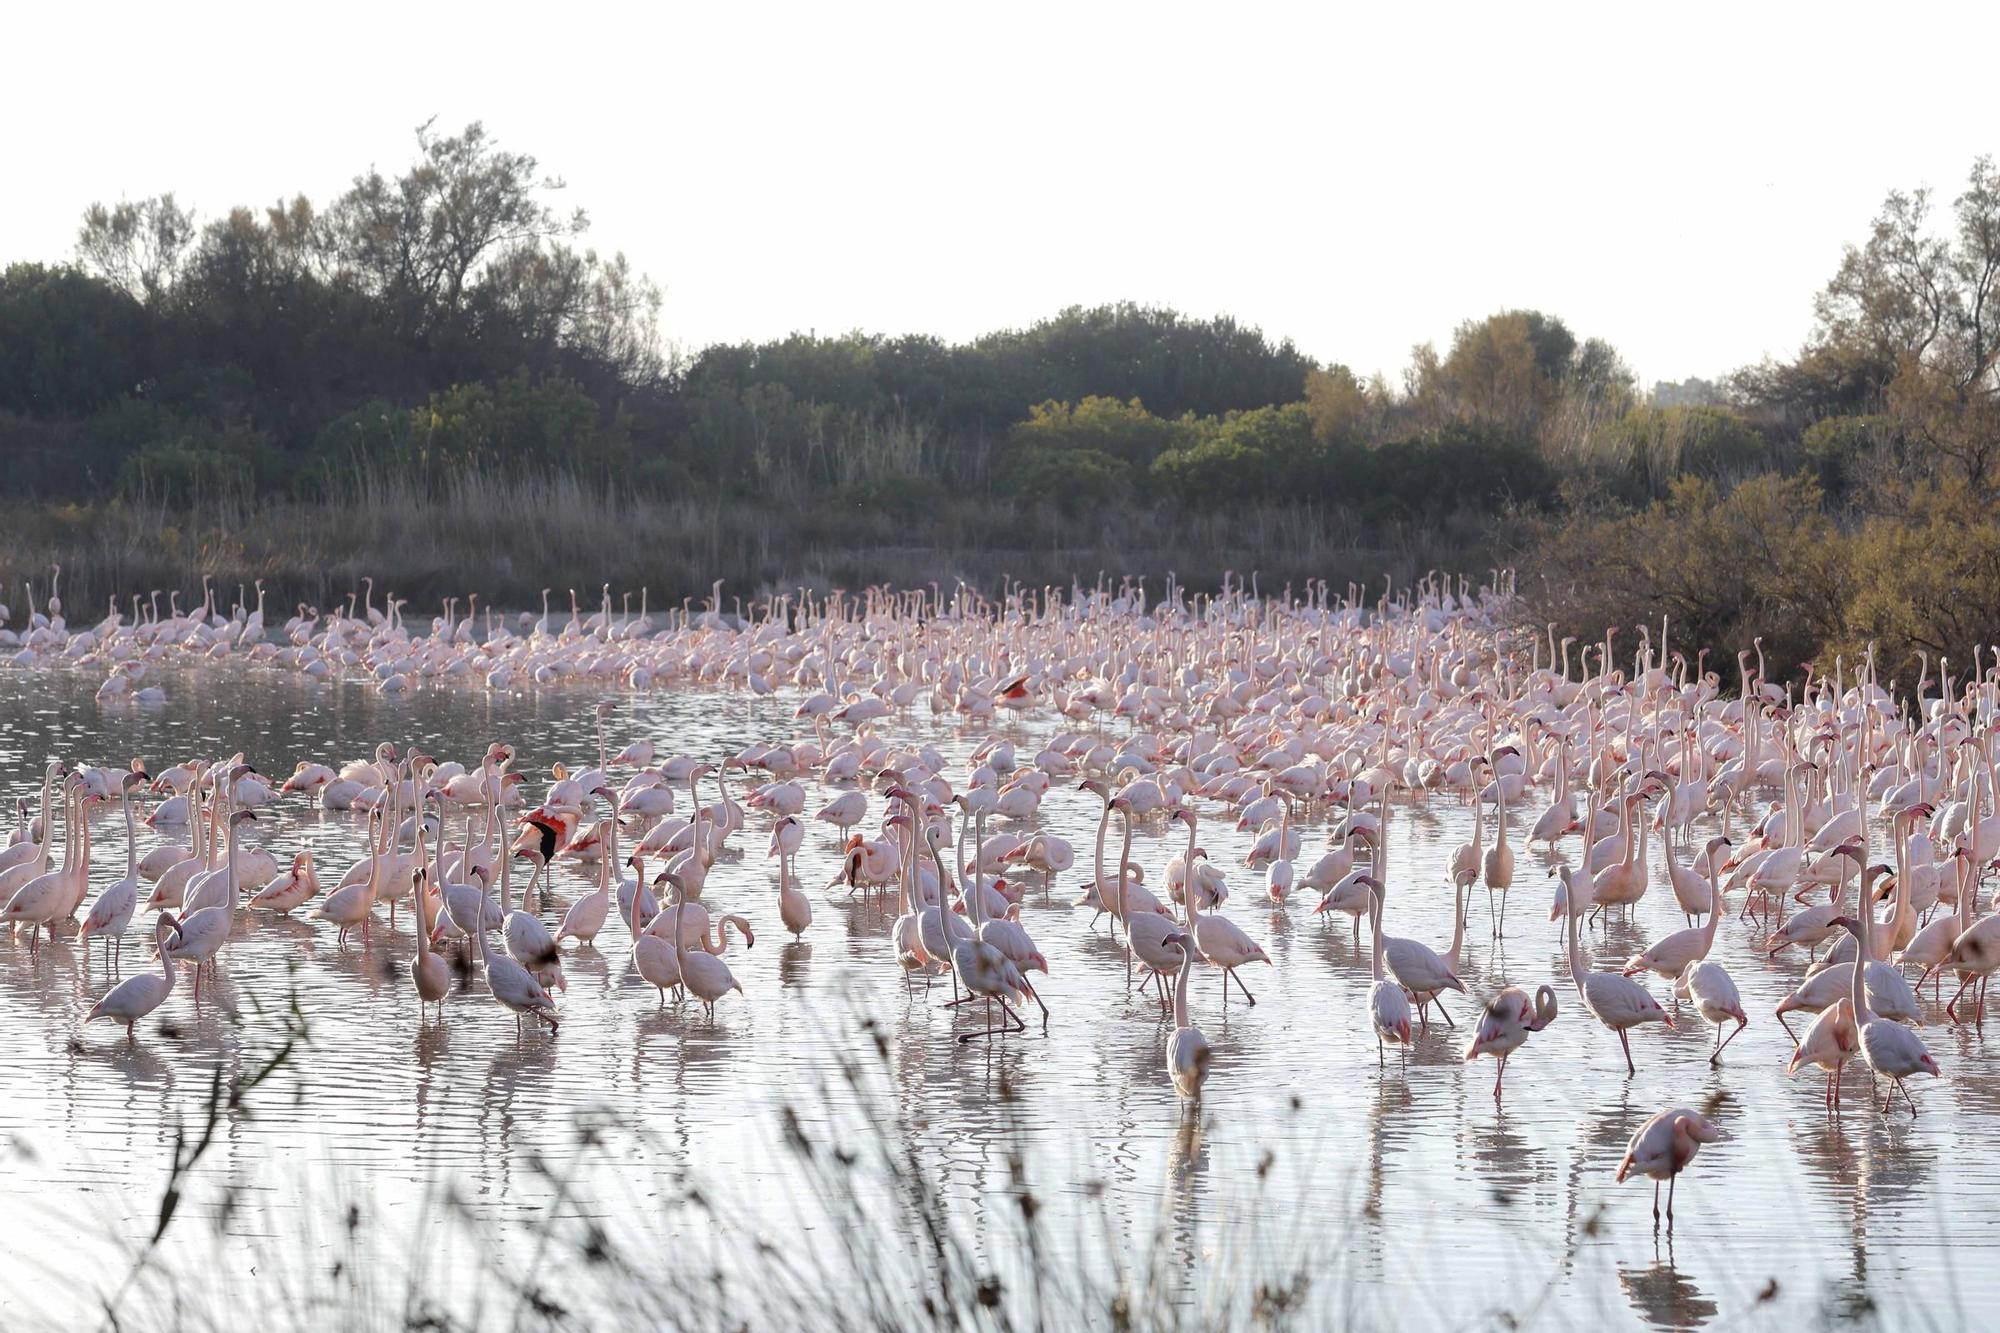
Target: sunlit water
(1404, 1192)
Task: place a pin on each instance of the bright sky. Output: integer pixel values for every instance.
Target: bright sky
(1677, 178)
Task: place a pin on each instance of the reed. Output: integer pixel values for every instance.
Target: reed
(507, 538)
(887, 1236)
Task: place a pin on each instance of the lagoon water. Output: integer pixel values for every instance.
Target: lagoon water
(467, 1161)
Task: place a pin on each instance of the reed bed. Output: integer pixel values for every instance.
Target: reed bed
(508, 538)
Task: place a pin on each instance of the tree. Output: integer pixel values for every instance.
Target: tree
(518, 424)
(1174, 363)
(1074, 480)
(1343, 409)
(1125, 431)
(1911, 294)
(1264, 455)
(70, 344)
(1507, 370)
(1843, 451)
(422, 241)
(1927, 579)
(138, 247)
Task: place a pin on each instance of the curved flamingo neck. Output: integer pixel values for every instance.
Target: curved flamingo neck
(1187, 890)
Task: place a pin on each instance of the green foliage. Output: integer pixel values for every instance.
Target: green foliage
(1073, 479)
(372, 435)
(1927, 579)
(1343, 409)
(1176, 364)
(137, 247)
(190, 462)
(1504, 370)
(519, 424)
(69, 344)
(1266, 454)
(1123, 431)
(1839, 450)
(1656, 445)
(1762, 559)
(1459, 468)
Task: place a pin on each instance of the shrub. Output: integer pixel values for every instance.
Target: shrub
(1074, 480)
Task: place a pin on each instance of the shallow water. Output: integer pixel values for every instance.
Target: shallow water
(1404, 1191)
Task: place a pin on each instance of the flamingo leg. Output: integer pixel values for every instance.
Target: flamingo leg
(1231, 973)
(1036, 997)
(1723, 1045)
(1626, 1041)
(1951, 1009)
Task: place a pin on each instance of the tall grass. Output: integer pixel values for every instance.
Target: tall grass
(880, 1235)
(507, 539)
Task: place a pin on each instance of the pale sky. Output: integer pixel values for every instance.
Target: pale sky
(1676, 178)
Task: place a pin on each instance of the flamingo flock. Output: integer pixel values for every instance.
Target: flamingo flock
(1280, 713)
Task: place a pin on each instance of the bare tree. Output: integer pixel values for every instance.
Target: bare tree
(140, 247)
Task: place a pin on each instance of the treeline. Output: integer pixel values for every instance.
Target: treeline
(450, 321)
(1869, 514)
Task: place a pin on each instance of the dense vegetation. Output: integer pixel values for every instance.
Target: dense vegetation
(449, 324)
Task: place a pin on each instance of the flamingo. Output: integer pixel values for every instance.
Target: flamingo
(1613, 999)
(203, 932)
(293, 889)
(1681, 950)
(1510, 1018)
(112, 912)
(703, 973)
(1188, 1052)
(514, 987)
(980, 967)
(1829, 1042)
(1662, 1149)
(795, 911)
(1713, 992)
(587, 915)
(1388, 1006)
(1218, 940)
(1891, 1050)
(1499, 867)
(135, 997)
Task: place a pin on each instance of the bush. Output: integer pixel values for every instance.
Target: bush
(1459, 468)
(1658, 444)
(545, 426)
(1267, 454)
(1123, 431)
(1926, 580)
(1762, 560)
(1074, 480)
(194, 462)
(1839, 449)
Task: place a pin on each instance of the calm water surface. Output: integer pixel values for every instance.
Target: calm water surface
(1405, 1193)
